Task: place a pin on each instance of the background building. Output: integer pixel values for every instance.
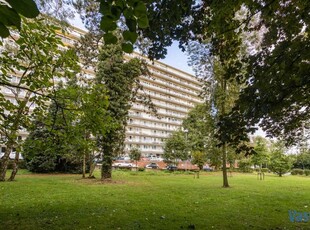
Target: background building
(174, 93)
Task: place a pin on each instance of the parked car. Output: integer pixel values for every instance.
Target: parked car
(152, 166)
(123, 165)
(172, 167)
(207, 168)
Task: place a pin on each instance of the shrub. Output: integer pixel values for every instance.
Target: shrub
(141, 169)
(22, 164)
(279, 162)
(297, 172)
(245, 165)
(307, 172)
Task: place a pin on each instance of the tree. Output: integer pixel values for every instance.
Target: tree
(303, 158)
(135, 155)
(279, 162)
(121, 81)
(10, 14)
(201, 127)
(66, 134)
(175, 148)
(261, 155)
(199, 159)
(30, 67)
(219, 93)
(277, 84)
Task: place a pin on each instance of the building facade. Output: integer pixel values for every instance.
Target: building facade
(174, 93)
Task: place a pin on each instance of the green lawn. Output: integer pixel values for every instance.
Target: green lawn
(153, 200)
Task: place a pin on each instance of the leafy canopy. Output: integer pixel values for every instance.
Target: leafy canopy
(10, 14)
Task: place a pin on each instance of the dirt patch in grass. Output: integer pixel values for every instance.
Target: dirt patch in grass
(96, 181)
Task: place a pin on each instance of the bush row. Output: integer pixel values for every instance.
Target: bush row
(301, 172)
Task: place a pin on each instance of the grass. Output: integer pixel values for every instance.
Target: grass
(153, 200)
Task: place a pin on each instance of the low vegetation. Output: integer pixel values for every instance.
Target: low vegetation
(153, 200)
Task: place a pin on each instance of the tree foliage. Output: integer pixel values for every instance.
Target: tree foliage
(135, 155)
(175, 148)
(279, 162)
(199, 158)
(10, 12)
(261, 155)
(302, 160)
(121, 81)
(30, 67)
(66, 134)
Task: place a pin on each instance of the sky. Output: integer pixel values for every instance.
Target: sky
(176, 58)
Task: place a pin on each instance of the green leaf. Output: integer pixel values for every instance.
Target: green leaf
(130, 36)
(109, 38)
(140, 10)
(132, 24)
(4, 32)
(133, 2)
(143, 22)
(27, 8)
(105, 8)
(128, 13)
(9, 17)
(127, 47)
(116, 12)
(120, 3)
(107, 23)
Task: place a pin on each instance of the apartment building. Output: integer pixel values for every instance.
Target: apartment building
(173, 92)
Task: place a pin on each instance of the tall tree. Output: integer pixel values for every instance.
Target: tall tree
(30, 67)
(219, 93)
(121, 81)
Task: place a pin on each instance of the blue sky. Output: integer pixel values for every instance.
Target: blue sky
(177, 59)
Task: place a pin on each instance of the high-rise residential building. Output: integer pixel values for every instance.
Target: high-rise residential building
(173, 92)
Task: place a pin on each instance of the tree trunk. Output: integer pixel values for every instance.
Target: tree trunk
(106, 169)
(5, 162)
(91, 169)
(225, 178)
(92, 165)
(260, 172)
(84, 166)
(15, 167)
